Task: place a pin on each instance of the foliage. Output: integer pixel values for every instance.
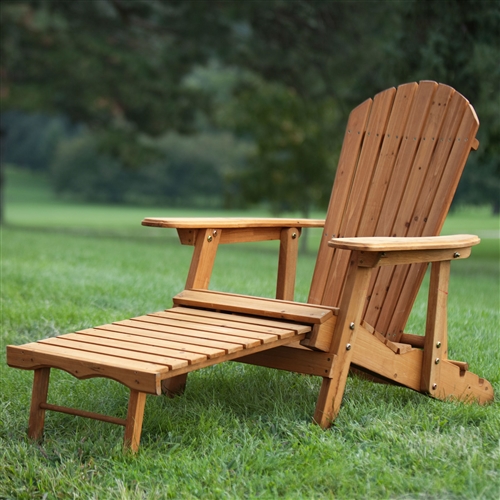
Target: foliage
(78, 168)
(32, 138)
(292, 166)
(126, 70)
(190, 170)
(464, 52)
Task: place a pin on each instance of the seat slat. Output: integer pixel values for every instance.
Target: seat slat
(115, 352)
(208, 326)
(281, 309)
(151, 339)
(228, 342)
(195, 330)
(136, 347)
(221, 320)
(245, 322)
(179, 335)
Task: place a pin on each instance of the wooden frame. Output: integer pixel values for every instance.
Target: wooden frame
(402, 158)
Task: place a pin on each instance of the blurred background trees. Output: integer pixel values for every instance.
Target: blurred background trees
(211, 103)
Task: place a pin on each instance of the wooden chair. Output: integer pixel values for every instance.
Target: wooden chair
(400, 164)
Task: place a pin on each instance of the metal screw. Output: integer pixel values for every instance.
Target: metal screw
(215, 233)
(434, 387)
(294, 235)
(437, 361)
(351, 326)
(209, 238)
(348, 347)
(456, 255)
(438, 344)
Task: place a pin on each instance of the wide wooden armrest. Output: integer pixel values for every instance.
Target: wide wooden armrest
(206, 233)
(388, 244)
(229, 222)
(386, 251)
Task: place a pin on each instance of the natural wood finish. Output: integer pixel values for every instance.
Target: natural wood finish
(85, 365)
(228, 222)
(82, 413)
(38, 398)
(293, 359)
(376, 357)
(348, 322)
(353, 139)
(413, 340)
(174, 386)
(385, 244)
(436, 327)
(289, 249)
(251, 305)
(203, 259)
(401, 161)
(135, 415)
(320, 338)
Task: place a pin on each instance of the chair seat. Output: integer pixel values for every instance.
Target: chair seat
(141, 352)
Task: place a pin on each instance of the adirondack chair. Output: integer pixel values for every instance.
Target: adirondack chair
(400, 164)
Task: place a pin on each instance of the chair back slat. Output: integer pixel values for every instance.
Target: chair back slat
(400, 164)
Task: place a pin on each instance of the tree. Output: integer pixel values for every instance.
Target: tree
(122, 67)
(292, 165)
(116, 66)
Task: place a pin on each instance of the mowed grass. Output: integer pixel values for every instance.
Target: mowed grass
(238, 431)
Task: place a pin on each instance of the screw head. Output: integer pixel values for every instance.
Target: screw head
(348, 347)
(456, 255)
(351, 326)
(434, 387)
(294, 235)
(209, 238)
(438, 344)
(437, 361)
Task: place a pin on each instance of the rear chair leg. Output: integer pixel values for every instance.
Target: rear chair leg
(174, 386)
(135, 415)
(38, 397)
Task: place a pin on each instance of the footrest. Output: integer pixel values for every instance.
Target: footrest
(141, 352)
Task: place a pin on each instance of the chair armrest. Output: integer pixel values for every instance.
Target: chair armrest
(380, 251)
(206, 233)
(229, 222)
(231, 229)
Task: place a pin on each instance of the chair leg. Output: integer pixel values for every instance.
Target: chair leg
(135, 415)
(443, 378)
(174, 386)
(436, 335)
(38, 396)
(348, 320)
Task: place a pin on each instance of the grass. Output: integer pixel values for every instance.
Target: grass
(239, 431)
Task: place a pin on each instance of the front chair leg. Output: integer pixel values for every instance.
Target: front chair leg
(350, 311)
(38, 397)
(135, 415)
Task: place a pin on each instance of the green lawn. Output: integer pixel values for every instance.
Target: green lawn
(239, 431)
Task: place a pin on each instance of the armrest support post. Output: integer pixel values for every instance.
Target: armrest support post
(202, 262)
(436, 328)
(287, 264)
